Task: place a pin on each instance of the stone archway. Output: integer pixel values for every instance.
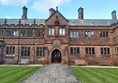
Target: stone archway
(56, 56)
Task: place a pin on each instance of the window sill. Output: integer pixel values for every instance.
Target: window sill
(105, 55)
(9, 57)
(25, 56)
(90, 55)
(40, 56)
(18, 38)
(62, 35)
(74, 38)
(116, 54)
(75, 55)
(89, 37)
(104, 37)
(51, 35)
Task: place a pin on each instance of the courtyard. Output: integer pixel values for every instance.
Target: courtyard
(14, 74)
(97, 74)
(58, 73)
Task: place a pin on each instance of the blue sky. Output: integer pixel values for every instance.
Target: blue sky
(93, 9)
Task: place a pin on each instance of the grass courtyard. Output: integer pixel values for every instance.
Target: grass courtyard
(96, 75)
(14, 74)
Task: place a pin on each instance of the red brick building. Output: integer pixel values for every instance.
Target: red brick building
(57, 39)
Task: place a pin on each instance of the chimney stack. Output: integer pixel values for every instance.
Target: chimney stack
(24, 16)
(114, 17)
(51, 11)
(57, 8)
(80, 13)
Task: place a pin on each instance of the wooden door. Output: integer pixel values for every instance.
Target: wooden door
(56, 56)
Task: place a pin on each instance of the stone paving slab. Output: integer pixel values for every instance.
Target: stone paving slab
(53, 73)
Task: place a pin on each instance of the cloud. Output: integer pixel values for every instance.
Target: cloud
(8, 17)
(45, 5)
(13, 2)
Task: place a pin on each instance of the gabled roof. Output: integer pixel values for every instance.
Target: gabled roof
(59, 14)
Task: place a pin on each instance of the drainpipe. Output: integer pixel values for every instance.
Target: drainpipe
(33, 41)
(18, 41)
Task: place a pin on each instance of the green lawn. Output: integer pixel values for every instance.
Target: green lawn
(14, 74)
(96, 75)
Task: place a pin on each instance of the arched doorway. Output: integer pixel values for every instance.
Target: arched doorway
(56, 56)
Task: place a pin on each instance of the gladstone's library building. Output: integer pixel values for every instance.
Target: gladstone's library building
(59, 40)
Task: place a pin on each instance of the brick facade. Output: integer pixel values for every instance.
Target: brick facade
(93, 48)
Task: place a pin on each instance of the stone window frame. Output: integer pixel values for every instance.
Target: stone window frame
(25, 51)
(89, 34)
(1, 33)
(15, 33)
(39, 33)
(10, 52)
(11, 33)
(8, 33)
(89, 50)
(40, 51)
(74, 34)
(104, 34)
(26, 33)
(105, 51)
(51, 31)
(116, 50)
(30, 33)
(22, 33)
(74, 51)
(62, 31)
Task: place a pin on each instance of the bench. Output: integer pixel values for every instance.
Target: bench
(80, 62)
(24, 61)
(104, 63)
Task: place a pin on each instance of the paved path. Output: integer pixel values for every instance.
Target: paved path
(53, 73)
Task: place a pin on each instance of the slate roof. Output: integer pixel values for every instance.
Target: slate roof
(28, 21)
(92, 22)
(72, 22)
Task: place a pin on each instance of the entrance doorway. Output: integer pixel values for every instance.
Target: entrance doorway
(56, 56)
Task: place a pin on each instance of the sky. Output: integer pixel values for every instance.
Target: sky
(93, 9)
